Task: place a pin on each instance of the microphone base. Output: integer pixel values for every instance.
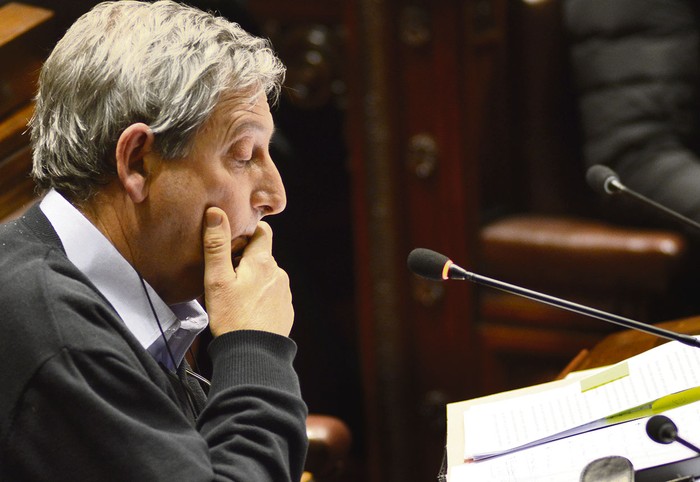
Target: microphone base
(680, 471)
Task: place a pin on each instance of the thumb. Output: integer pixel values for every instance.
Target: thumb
(216, 241)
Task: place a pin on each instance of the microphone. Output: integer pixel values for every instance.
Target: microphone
(438, 267)
(605, 181)
(661, 429)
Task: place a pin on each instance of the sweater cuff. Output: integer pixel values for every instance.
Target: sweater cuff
(250, 357)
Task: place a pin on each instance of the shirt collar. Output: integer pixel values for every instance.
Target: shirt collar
(93, 254)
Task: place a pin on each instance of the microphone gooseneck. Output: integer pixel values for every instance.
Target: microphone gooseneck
(438, 267)
(605, 181)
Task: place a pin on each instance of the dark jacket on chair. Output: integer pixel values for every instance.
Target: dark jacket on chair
(636, 66)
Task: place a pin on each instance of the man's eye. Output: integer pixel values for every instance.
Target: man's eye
(241, 157)
(243, 151)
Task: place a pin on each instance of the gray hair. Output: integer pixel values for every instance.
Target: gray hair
(164, 64)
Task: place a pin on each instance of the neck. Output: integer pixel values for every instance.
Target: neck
(111, 216)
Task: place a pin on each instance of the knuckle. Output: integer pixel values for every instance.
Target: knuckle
(214, 243)
(266, 260)
(215, 285)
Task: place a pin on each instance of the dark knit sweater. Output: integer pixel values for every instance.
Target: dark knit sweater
(82, 400)
(637, 69)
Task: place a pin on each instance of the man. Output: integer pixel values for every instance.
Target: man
(151, 136)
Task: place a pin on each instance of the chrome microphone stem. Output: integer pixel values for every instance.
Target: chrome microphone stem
(622, 189)
(605, 181)
(457, 272)
(687, 444)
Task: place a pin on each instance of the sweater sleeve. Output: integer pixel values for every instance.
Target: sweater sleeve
(636, 67)
(88, 416)
(256, 391)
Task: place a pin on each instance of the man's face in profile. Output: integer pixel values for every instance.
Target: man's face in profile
(229, 167)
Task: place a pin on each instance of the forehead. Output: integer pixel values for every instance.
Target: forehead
(235, 114)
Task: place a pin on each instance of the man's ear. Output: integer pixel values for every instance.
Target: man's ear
(133, 145)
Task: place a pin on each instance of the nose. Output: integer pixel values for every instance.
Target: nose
(271, 197)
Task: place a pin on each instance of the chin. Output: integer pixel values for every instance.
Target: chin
(189, 287)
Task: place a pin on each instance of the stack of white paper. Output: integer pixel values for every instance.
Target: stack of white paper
(564, 460)
(581, 405)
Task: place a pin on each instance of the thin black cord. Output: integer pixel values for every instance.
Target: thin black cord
(196, 372)
(167, 347)
(194, 360)
(160, 327)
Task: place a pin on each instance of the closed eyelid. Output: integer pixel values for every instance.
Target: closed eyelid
(243, 149)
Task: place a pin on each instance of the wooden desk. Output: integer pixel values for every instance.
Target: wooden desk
(624, 344)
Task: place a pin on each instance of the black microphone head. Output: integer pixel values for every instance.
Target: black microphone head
(427, 263)
(661, 429)
(599, 178)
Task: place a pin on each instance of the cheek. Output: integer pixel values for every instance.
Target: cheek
(182, 238)
(235, 202)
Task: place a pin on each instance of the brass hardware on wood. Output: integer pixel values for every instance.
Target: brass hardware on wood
(422, 158)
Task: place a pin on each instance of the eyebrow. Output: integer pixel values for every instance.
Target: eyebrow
(250, 125)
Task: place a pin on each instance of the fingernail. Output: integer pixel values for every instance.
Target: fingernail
(214, 219)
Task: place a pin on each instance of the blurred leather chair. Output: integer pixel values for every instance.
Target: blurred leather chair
(546, 234)
(329, 444)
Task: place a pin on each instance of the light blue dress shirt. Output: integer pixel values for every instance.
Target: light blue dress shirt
(94, 255)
